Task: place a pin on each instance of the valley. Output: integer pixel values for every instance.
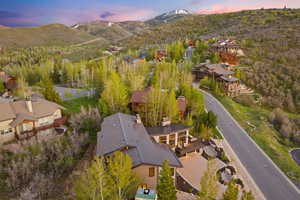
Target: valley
(157, 84)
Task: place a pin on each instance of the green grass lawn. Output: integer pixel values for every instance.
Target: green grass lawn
(276, 147)
(73, 106)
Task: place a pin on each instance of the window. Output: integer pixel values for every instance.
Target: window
(182, 138)
(44, 121)
(163, 139)
(172, 140)
(151, 172)
(6, 131)
(172, 171)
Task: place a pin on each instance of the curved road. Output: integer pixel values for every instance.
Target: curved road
(267, 176)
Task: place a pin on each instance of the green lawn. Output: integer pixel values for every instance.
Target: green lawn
(264, 135)
(73, 106)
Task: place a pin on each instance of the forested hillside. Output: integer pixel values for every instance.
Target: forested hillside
(270, 39)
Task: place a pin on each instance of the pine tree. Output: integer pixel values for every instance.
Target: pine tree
(166, 187)
(122, 182)
(115, 94)
(231, 192)
(49, 92)
(208, 184)
(211, 119)
(92, 184)
(247, 196)
(55, 75)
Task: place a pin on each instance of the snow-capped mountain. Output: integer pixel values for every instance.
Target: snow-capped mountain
(177, 12)
(169, 16)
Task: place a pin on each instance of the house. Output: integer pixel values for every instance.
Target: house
(127, 134)
(219, 72)
(114, 49)
(172, 134)
(160, 55)
(23, 119)
(140, 97)
(133, 60)
(228, 51)
(10, 83)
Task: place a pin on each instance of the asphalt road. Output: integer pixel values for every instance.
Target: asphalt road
(271, 181)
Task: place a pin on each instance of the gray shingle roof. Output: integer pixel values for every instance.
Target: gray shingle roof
(165, 130)
(120, 132)
(219, 69)
(230, 79)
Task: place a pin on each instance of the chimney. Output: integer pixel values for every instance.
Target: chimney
(138, 119)
(166, 121)
(29, 104)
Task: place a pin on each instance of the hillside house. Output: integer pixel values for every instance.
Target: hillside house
(10, 83)
(133, 60)
(219, 72)
(139, 99)
(126, 133)
(228, 51)
(161, 55)
(24, 119)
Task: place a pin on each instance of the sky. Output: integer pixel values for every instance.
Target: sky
(23, 13)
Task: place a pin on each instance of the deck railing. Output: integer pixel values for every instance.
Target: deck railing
(25, 135)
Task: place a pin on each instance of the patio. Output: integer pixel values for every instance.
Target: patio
(194, 167)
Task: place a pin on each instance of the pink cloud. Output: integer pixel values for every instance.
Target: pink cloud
(117, 13)
(223, 8)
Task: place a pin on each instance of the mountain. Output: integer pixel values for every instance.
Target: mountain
(270, 40)
(111, 31)
(115, 31)
(52, 34)
(108, 30)
(168, 17)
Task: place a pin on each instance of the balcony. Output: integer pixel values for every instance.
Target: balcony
(25, 135)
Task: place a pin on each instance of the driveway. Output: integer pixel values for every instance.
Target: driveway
(194, 167)
(267, 176)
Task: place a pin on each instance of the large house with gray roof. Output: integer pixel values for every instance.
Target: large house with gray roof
(221, 73)
(126, 133)
(23, 119)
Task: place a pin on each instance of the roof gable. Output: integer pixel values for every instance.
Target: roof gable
(121, 130)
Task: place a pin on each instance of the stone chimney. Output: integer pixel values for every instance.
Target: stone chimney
(138, 119)
(166, 121)
(29, 104)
